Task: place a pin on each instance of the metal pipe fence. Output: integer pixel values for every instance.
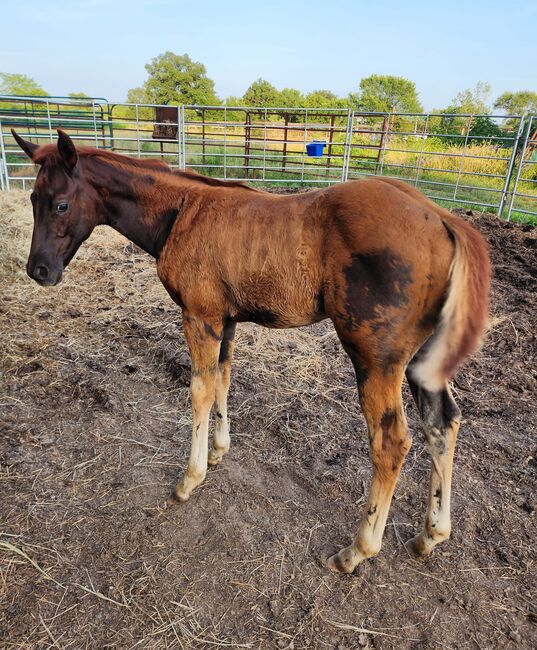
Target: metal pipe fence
(476, 161)
(523, 197)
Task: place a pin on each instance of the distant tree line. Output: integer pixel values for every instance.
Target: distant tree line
(177, 79)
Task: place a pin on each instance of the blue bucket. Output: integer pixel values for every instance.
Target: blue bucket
(315, 148)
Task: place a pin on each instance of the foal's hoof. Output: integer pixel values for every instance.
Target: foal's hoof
(215, 457)
(173, 499)
(342, 562)
(419, 546)
(180, 494)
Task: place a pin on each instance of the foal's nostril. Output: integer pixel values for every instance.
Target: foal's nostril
(41, 272)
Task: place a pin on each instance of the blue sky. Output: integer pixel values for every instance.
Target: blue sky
(100, 46)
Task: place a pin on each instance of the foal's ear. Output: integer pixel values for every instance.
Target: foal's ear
(67, 150)
(29, 148)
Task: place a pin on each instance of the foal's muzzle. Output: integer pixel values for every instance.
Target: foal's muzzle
(43, 274)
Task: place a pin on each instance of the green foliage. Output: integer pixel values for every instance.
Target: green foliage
(471, 105)
(176, 79)
(137, 96)
(233, 100)
(291, 98)
(484, 127)
(324, 99)
(20, 84)
(261, 93)
(385, 93)
(128, 113)
(519, 103)
(78, 96)
(473, 101)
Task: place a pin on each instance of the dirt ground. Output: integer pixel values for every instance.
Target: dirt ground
(95, 426)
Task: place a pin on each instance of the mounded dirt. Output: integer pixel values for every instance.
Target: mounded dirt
(95, 426)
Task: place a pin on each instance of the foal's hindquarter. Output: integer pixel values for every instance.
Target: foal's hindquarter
(366, 255)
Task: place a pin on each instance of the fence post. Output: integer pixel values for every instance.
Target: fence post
(95, 125)
(347, 146)
(179, 139)
(49, 122)
(510, 169)
(3, 163)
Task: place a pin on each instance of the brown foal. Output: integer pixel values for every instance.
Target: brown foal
(405, 283)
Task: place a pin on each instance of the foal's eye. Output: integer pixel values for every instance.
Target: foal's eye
(62, 207)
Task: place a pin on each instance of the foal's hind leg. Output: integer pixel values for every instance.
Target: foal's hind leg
(221, 439)
(380, 396)
(441, 420)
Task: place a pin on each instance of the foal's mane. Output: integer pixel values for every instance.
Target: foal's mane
(49, 152)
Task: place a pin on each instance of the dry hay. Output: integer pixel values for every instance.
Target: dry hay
(96, 427)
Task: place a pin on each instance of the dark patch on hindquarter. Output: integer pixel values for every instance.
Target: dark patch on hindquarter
(374, 281)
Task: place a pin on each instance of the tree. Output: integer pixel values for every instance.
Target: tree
(483, 127)
(137, 96)
(20, 84)
(473, 101)
(385, 93)
(261, 93)
(291, 98)
(324, 99)
(519, 103)
(233, 100)
(176, 79)
(470, 102)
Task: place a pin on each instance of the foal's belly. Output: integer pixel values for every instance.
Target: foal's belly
(278, 307)
(274, 320)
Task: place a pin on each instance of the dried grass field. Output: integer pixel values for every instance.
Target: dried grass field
(95, 430)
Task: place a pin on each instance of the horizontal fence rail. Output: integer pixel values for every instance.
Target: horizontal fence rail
(476, 161)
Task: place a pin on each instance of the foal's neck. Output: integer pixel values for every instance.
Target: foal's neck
(140, 203)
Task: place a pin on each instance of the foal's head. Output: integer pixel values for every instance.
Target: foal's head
(65, 208)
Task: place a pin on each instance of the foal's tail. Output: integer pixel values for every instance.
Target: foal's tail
(464, 315)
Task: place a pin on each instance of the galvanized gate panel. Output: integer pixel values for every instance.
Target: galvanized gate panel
(443, 155)
(479, 161)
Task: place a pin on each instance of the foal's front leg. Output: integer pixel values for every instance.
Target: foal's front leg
(203, 337)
